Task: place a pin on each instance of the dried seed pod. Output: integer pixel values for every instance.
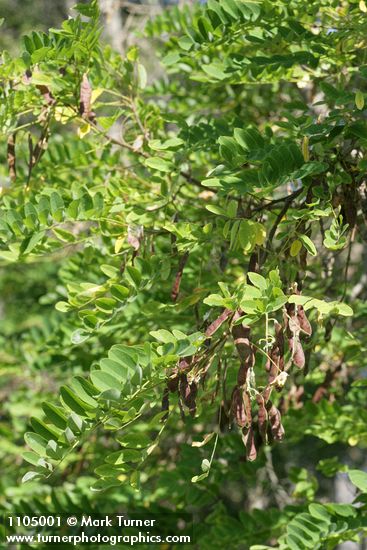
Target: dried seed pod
(304, 323)
(85, 97)
(172, 384)
(184, 364)
(245, 350)
(27, 77)
(293, 331)
(301, 322)
(214, 326)
(249, 442)
(188, 393)
(248, 406)
(349, 209)
(275, 420)
(165, 402)
(11, 157)
(267, 392)
(134, 236)
(241, 407)
(47, 95)
(238, 408)
(191, 399)
(296, 349)
(177, 282)
(183, 387)
(262, 418)
(275, 362)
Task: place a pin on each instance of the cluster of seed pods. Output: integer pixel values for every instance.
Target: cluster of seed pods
(251, 409)
(179, 382)
(269, 421)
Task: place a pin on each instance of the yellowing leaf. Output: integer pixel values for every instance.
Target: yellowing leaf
(118, 244)
(63, 114)
(295, 248)
(206, 439)
(83, 130)
(260, 234)
(142, 76)
(95, 95)
(359, 100)
(362, 6)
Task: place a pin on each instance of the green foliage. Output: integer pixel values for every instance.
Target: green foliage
(180, 263)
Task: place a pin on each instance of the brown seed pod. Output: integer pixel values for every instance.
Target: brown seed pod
(177, 282)
(184, 364)
(188, 393)
(275, 362)
(349, 209)
(300, 319)
(245, 350)
(184, 387)
(214, 326)
(238, 408)
(249, 442)
(304, 323)
(248, 406)
(191, 400)
(262, 418)
(296, 349)
(275, 420)
(165, 402)
(85, 97)
(293, 332)
(47, 95)
(172, 384)
(11, 157)
(241, 407)
(134, 236)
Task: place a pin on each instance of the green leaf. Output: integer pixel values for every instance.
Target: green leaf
(36, 442)
(344, 510)
(308, 244)
(215, 70)
(62, 306)
(73, 402)
(31, 476)
(120, 292)
(359, 100)
(344, 309)
(359, 479)
(163, 335)
(115, 369)
(133, 275)
(257, 280)
(47, 432)
(159, 164)
(104, 381)
(55, 415)
(105, 304)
